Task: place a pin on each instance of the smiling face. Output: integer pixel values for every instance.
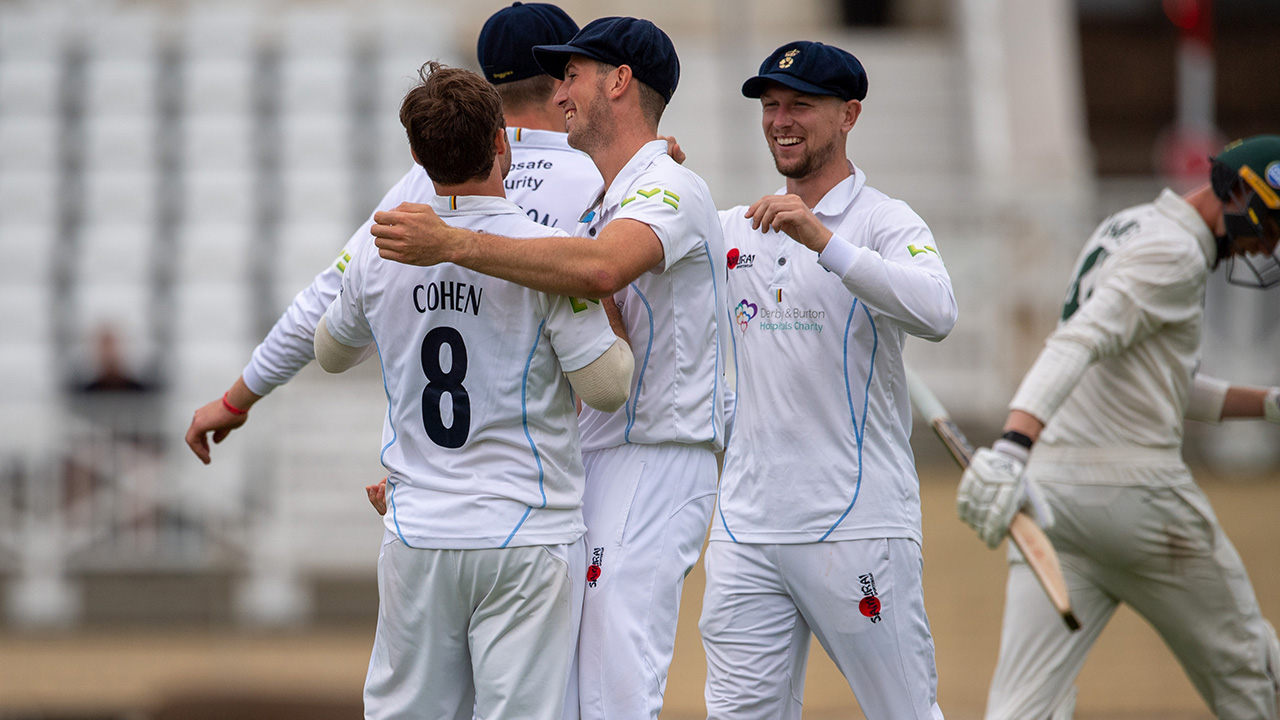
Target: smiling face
(586, 109)
(806, 133)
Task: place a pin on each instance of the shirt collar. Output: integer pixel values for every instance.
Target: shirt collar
(447, 205)
(537, 138)
(838, 199)
(1180, 211)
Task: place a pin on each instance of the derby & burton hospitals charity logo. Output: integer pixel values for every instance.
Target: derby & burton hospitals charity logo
(744, 313)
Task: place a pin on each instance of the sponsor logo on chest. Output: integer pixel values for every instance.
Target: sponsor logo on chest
(782, 319)
(737, 261)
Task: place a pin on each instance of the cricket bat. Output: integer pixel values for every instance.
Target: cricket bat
(1023, 531)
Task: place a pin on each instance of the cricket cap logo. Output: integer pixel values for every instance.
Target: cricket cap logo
(788, 59)
(744, 313)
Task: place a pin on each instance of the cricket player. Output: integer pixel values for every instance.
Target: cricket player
(480, 575)
(1103, 406)
(650, 245)
(818, 522)
(549, 180)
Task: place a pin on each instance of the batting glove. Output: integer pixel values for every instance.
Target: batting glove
(1271, 406)
(992, 490)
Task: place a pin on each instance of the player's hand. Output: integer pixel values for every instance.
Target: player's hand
(673, 148)
(212, 417)
(414, 235)
(992, 490)
(788, 214)
(378, 496)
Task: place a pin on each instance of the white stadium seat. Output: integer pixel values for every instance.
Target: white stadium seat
(28, 143)
(33, 31)
(28, 197)
(315, 142)
(317, 197)
(31, 242)
(115, 252)
(221, 87)
(212, 312)
(220, 31)
(121, 87)
(121, 143)
(214, 252)
(218, 142)
(120, 196)
(218, 197)
(28, 86)
(127, 32)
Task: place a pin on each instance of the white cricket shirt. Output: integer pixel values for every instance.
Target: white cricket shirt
(818, 447)
(1136, 307)
(481, 438)
(673, 313)
(548, 179)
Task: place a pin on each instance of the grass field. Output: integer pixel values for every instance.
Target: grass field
(138, 673)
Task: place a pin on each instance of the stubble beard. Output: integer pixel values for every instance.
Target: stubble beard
(594, 129)
(807, 164)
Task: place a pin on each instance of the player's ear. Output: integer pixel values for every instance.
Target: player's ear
(852, 109)
(622, 79)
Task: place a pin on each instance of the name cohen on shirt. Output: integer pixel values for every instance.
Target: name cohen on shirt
(447, 295)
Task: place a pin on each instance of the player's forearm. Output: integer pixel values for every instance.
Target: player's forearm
(240, 396)
(289, 346)
(1023, 423)
(570, 266)
(1246, 402)
(612, 312)
(1214, 400)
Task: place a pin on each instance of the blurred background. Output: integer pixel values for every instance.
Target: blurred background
(173, 172)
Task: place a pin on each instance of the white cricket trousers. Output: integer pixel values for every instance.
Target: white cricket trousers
(486, 631)
(1161, 551)
(863, 599)
(647, 509)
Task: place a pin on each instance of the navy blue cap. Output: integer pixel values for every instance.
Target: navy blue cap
(636, 43)
(505, 48)
(811, 68)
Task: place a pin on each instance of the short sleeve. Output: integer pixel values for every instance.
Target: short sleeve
(345, 317)
(579, 331)
(668, 204)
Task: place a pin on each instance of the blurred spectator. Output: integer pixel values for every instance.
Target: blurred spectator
(110, 374)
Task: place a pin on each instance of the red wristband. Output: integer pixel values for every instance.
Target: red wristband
(231, 408)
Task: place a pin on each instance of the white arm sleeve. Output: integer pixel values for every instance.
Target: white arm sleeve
(289, 346)
(1051, 379)
(605, 383)
(898, 273)
(1208, 395)
(335, 357)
